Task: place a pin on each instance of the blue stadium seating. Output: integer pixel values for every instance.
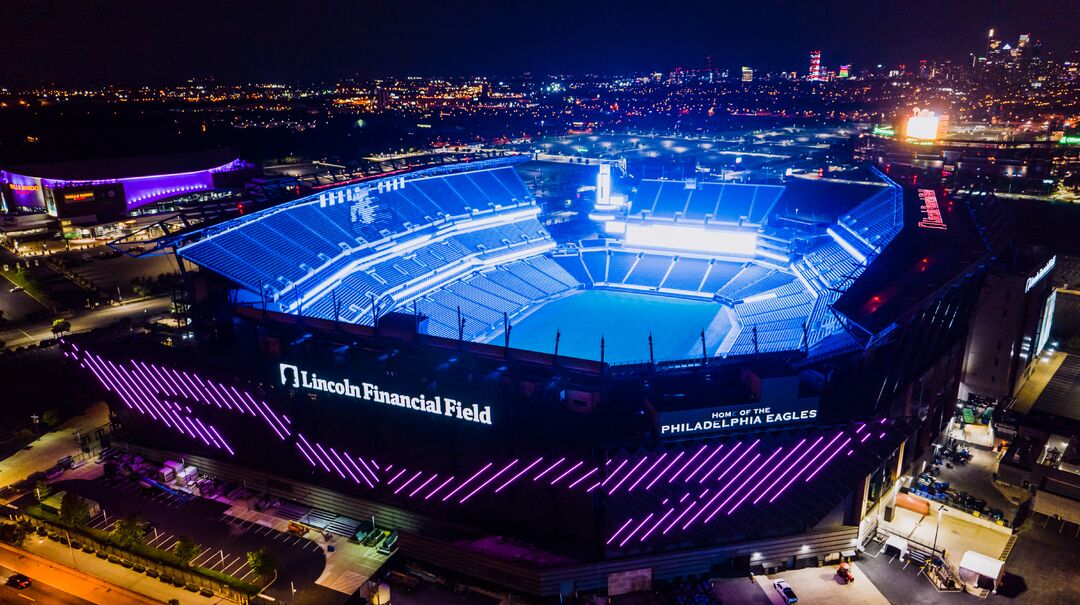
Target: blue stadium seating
(686, 274)
(649, 270)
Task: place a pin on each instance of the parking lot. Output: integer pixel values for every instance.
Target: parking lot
(821, 585)
(225, 540)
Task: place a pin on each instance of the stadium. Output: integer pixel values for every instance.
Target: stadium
(723, 375)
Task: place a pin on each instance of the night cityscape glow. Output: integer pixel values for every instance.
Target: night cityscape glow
(565, 303)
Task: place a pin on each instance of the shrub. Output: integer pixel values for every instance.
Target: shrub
(152, 573)
(191, 588)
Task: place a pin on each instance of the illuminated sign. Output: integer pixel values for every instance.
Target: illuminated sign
(922, 125)
(730, 418)
(25, 188)
(883, 131)
(1034, 279)
(79, 197)
(931, 211)
(1070, 140)
(292, 376)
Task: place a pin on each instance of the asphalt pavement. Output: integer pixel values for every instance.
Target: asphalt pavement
(225, 541)
(103, 316)
(38, 592)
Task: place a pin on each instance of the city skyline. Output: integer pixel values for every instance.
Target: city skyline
(94, 43)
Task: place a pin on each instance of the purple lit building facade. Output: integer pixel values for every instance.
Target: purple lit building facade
(110, 189)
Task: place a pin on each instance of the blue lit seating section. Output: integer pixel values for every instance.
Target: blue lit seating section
(485, 296)
(383, 281)
(872, 223)
(704, 202)
(276, 249)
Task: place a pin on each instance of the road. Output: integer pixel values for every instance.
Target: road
(46, 576)
(33, 334)
(38, 592)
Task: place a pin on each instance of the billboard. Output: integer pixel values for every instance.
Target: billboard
(736, 417)
(304, 379)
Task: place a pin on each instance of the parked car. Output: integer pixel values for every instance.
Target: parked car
(786, 593)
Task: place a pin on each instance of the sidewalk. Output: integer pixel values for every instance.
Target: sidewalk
(144, 589)
(43, 452)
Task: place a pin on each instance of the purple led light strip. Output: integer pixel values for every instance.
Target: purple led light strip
(635, 530)
(439, 488)
(748, 479)
(619, 531)
(395, 477)
(664, 472)
(423, 485)
(796, 474)
(688, 463)
(733, 464)
(410, 480)
(518, 476)
(829, 459)
(706, 460)
(582, 478)
(779, 477)
(681, 515)
(549, 469)
(567, 472)
(767, 475)
(646, 473)
(467, 481)
(609, 477)
(488, 481)
(628, 475)
(658, 524)
(721, 491)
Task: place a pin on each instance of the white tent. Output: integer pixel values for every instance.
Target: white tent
(976, 566)
(899, 544)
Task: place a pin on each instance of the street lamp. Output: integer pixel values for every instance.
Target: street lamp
(938, 527)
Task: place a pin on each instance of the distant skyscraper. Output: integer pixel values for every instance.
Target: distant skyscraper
(747, 74)
(815, 66)
(845, 71)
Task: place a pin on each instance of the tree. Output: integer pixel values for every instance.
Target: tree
(59, 326)
(51, 417)
(42, 490)
(186, 549)
(13, 533)
(261, 562)
(129, 531)
(73, 510)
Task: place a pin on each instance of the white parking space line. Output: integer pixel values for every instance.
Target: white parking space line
(233, 564)
(200, 557)
(246, 575)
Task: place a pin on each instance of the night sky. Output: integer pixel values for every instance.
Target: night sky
(163, 41)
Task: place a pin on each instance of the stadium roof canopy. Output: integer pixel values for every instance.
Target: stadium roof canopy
(126, 168)
(916, 264)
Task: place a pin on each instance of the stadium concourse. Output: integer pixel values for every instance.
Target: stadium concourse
(463, 249)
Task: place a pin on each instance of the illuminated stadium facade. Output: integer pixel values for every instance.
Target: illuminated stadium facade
(758, 363)
(112, 188)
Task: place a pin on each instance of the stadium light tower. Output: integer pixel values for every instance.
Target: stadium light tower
(603, 186)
